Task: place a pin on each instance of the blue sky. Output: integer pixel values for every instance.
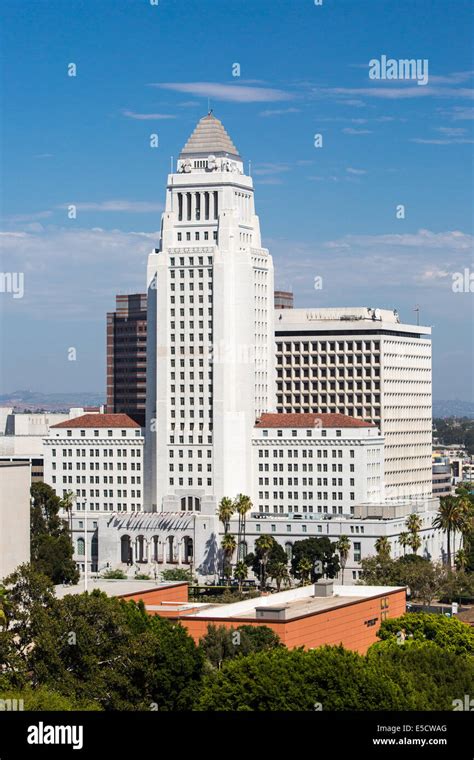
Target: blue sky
(328, 212)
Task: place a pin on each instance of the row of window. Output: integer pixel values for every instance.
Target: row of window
(294, 496)
(321, 347)
(98, 452)
(191, 481)
(99, 466)
(96, 433)
(305, 467)
(96, 479)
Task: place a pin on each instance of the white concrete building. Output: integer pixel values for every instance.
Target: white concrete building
(99, 457)
(210, 362)
(14, 516)
(366, 364)
(317, 442)
(315, 464)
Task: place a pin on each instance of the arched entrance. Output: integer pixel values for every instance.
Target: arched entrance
(126, 552)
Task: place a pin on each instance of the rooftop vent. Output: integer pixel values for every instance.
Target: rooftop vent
(276, 612)
(323, 588)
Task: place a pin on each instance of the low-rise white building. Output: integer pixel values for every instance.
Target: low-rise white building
(307, 464)
(99, 457)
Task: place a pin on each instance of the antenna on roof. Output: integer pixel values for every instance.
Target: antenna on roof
(209, 109)
(417, 309)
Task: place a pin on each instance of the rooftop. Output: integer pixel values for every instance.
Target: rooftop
(115, 587)
(99, 421)
(296, 603)
(308, 420)
(209, 138)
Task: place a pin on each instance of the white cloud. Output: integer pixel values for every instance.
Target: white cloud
(231, 92)
(29, 217)
(353, 131)
(279, 111)
(265, 169)
(123, 206)
(451, 131)
(351, 170)
(453, 240)
(397, 93)
(74, 273)
(148, 116)
(441, 141)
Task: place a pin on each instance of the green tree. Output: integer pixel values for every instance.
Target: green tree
(67, 503)
(242, 506)
(448, 519)
(273, 557)
(225, 512)
(304, 570)
(448, 633)
(413, 524)
(264, 545)
(221, 644)
(94, 647)
(378, 571)
(434, 675)
(383, 546)
(240, 573)
(404, 539)
(316, 550)
(42, 699)
(51, 546)
(228, 545)
(278, 572)
(328, 678)
(343, 546)
(177, 574)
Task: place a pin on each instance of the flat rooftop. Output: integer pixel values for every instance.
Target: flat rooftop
(116, 587)
(296, 603)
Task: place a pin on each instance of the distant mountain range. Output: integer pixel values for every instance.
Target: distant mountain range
(453, 409)
(63, 401)
(50, 402)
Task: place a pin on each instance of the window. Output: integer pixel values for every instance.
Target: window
(357, 551)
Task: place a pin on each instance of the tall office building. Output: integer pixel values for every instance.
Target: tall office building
(283, 299)
(366, 364)
(210, 361)
(126, 357)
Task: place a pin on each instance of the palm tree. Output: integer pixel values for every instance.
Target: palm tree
(404, 539)
(413, 524)
(466, 519)
(263, 545)
(242, 505)
(67, 503)
(225, 512)
(343, 546)
(228, 544)
(383, 547)
(461, 559)
(448, 519)
(414, 541)
(279, 573)
(304, 568)
(240, 573)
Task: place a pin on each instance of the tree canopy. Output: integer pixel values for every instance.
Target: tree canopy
(51, 546)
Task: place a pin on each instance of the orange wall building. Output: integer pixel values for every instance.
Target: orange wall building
(308, 616)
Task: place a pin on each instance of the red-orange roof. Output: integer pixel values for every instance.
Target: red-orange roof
(307, 420)
(99, 421)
